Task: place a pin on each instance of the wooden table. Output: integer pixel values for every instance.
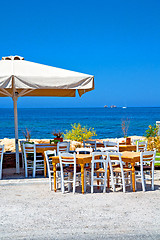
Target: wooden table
(128, 157)
(41, 148)
(81, 159)
(122, 147)
(130, 148)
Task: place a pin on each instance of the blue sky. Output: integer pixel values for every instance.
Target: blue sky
(117, 41)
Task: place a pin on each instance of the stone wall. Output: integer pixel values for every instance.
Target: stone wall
(9, 160)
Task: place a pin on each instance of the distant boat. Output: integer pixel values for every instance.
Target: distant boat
(105, 106)
(124, 107)
(113, 106)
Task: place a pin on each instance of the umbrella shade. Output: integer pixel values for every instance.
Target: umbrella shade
(33, 79)
(23, 78)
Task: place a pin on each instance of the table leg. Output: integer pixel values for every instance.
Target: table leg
(97, 166)
(108, 175)
(82, 177)
(133, 177)
(54, 174)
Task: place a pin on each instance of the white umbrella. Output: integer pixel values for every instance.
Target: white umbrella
(23, 78)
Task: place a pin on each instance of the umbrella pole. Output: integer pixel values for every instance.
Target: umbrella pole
(16, 126)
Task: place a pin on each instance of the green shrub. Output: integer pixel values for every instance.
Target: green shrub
(79, 133)
(152, 131)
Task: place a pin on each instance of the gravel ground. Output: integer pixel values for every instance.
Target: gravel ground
(28, 210)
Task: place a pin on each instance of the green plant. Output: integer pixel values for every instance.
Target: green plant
(153, 143)
(125, 126)
(152, 131)
(27, 134)
(79, 133)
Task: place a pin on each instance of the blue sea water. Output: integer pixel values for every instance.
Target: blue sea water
(106, 121)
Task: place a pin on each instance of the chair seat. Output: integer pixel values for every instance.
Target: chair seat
(99, 170)
(118, 170)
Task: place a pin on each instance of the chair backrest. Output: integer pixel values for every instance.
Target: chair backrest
(48, 154)
(67, 159)
(111, 144)
(1, 159)
(141, 146)
(99, 157)
(63, 147)
(29, 148)
(21, 145)
(147, 157)
(118, 159)
(84, 150)
(90, 144)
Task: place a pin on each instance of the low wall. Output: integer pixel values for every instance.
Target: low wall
(9, 160)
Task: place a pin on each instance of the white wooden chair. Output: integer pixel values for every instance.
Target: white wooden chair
(1, 159)
(119, 175)
(63, 147)
(84, 150)
(110, 146)
(48, 154)
(32, 162)
(141, 146)
(146, 172)
(87, 168)
(69, 174)
(90, 144)
(22, 152)
(99, 173)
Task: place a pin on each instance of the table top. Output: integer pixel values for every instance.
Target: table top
(80, 158)
(130, 157)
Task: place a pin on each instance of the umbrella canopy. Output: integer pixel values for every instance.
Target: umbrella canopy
(20, 78)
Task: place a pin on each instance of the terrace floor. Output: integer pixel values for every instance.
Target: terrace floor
(29, 210)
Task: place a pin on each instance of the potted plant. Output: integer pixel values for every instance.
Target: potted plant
(125, 126)
(27, 135)
(58, 137)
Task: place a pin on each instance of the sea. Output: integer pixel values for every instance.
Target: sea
(107, 122)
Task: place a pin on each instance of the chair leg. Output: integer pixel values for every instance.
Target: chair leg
(85, 177)
(123, 182)
(131, 181)
(34, 169)
(142, 179)
(112, 178)
(152, 179)
(105, 181)
(69, 184)
(74, 183)
(92, 181)
(26, 171)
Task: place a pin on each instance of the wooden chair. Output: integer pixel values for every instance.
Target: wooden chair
(141, 146)
(146, 171)
(63, 147)
(1, 159)
(84, 150)
(111, 146)
(120, 175)
(69, 174)
(22, 152)
(32, 162)
(90, 144)
(99, 174)
(48, 154)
